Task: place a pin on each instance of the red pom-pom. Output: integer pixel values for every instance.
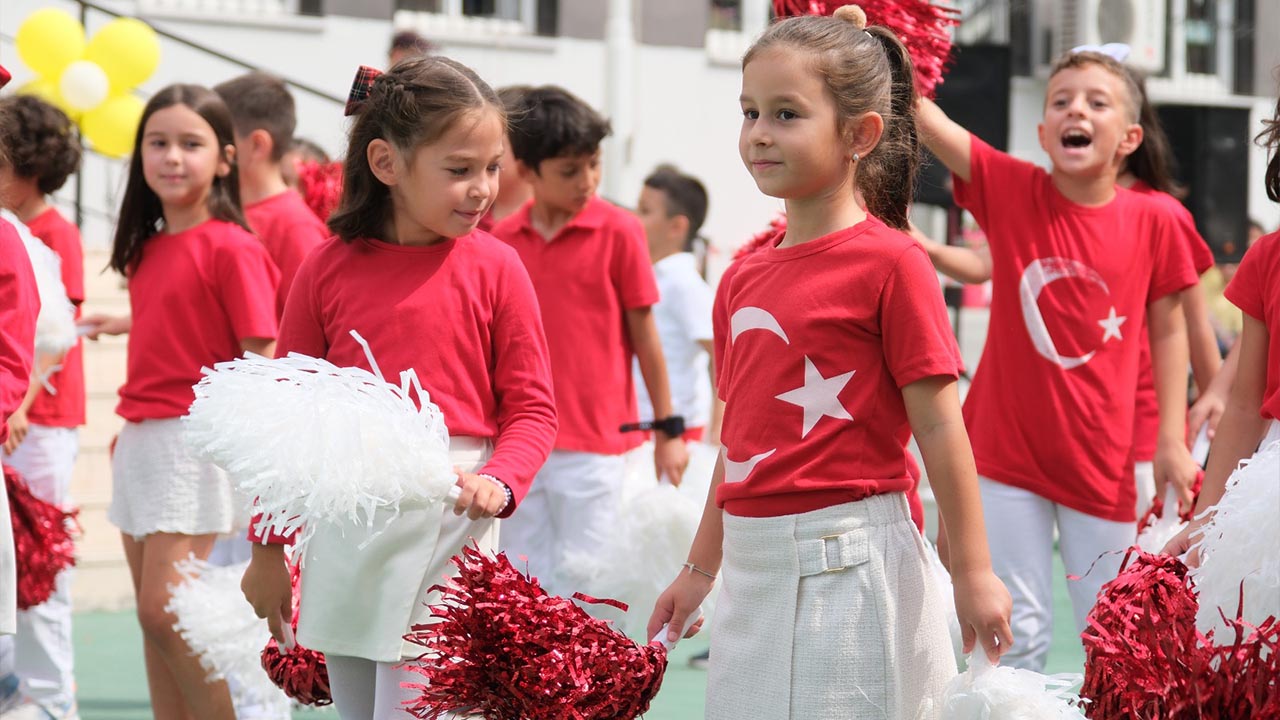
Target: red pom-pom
(1145, 658)
(921, 25)
(768, 236)
(301, 673)
(42, 538)
(504, 649)
(320, 185)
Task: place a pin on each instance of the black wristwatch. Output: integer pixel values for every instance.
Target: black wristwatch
(672, 427)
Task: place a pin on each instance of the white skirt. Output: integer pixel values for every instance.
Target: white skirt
(158, 486)
(360, 596)
(828, 615)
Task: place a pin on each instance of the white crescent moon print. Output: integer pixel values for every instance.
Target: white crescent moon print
(754, 318)
(1038, 275)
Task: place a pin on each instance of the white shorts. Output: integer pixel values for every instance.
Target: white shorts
(158, 486)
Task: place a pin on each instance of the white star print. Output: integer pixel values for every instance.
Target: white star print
(1111, 326)
(818, 396)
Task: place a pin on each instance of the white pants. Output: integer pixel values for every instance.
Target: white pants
(570, 508)
(1020, 527)
(43, 650)
(1144, 478)
(368, 690)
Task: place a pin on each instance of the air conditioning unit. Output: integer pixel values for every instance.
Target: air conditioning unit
(1140, 24)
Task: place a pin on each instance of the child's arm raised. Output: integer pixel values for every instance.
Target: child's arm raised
(669, 453)
(944, 137)
(1239, 432)
(982, 602)
(1168, 338)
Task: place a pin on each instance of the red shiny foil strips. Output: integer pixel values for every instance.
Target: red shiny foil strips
(768, 236)
(921, 25)
(503, 649)
(43, 540)
(320, 185)
(1145, 658)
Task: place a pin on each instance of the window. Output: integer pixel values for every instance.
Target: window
(528, 17)
(732, 25)
(726, 15)
(1200, 32)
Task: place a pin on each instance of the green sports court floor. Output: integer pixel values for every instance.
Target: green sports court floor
(113, 687)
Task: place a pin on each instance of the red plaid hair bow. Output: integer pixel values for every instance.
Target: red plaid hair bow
(360, 89)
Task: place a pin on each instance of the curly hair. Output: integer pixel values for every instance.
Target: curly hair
(38, 140)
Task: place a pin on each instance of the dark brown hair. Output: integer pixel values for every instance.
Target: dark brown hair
(685, 195)
(141, 214)
(1152, 162)
(412, 105)
(1270, 139)
(39, 141)
(553, 122)
(865, 71)
(260, 101)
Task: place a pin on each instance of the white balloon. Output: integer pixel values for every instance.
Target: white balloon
(84, 85)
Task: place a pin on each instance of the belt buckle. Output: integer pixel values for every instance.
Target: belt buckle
(826, 565)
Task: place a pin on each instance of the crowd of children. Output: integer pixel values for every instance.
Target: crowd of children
(470, 246)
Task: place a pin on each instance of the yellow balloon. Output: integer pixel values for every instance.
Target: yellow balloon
(49, 40)
(112, 126)
(47, 90)
(128, 50)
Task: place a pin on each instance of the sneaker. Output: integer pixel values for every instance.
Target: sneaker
(701, 660)
(69, 711)
(10, 693)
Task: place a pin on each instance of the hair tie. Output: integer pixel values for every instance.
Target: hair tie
(360, 89)
(1116, 51)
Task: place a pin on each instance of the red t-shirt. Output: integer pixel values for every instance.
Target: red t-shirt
(19, 306)
(290, 231)
(66, 408)
(1051, 408)
(194, 295)
(1255, 289)
(594, 270)
(1147, 426)
(814, 344)
(461, 313)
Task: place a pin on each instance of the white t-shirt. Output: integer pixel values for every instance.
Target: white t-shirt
(683, 316)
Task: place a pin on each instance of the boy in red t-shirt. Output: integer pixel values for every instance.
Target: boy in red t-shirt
(262, 111)
(1077, 265)
(590, 268)
(43, 438)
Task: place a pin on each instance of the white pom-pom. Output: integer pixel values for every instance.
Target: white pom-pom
(220, 627)
(987, 692)
(651, 538)
(56, 323)
(313, 442)
(1239, 544)
(1155, 536)
(942, 581)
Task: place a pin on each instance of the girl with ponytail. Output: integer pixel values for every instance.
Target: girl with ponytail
(834, 345)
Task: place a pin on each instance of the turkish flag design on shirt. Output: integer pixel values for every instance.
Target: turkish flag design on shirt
(1051, 408)
(813, 346)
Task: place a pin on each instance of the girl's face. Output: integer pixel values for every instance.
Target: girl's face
(791, 140)
(443, 189)
(181, 157)
(1087, 128)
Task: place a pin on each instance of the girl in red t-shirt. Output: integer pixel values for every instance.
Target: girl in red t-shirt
(1252, 416)
(833, 345)
(409, 271)
(201, 291)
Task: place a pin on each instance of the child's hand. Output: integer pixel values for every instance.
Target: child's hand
(267, 587)
(670, 458)
(18, 427)
(1173, 464)
(1208, 408)
(480, 497)
(1181, 543)
(95, 326)
(674, 606)
(983, 606)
